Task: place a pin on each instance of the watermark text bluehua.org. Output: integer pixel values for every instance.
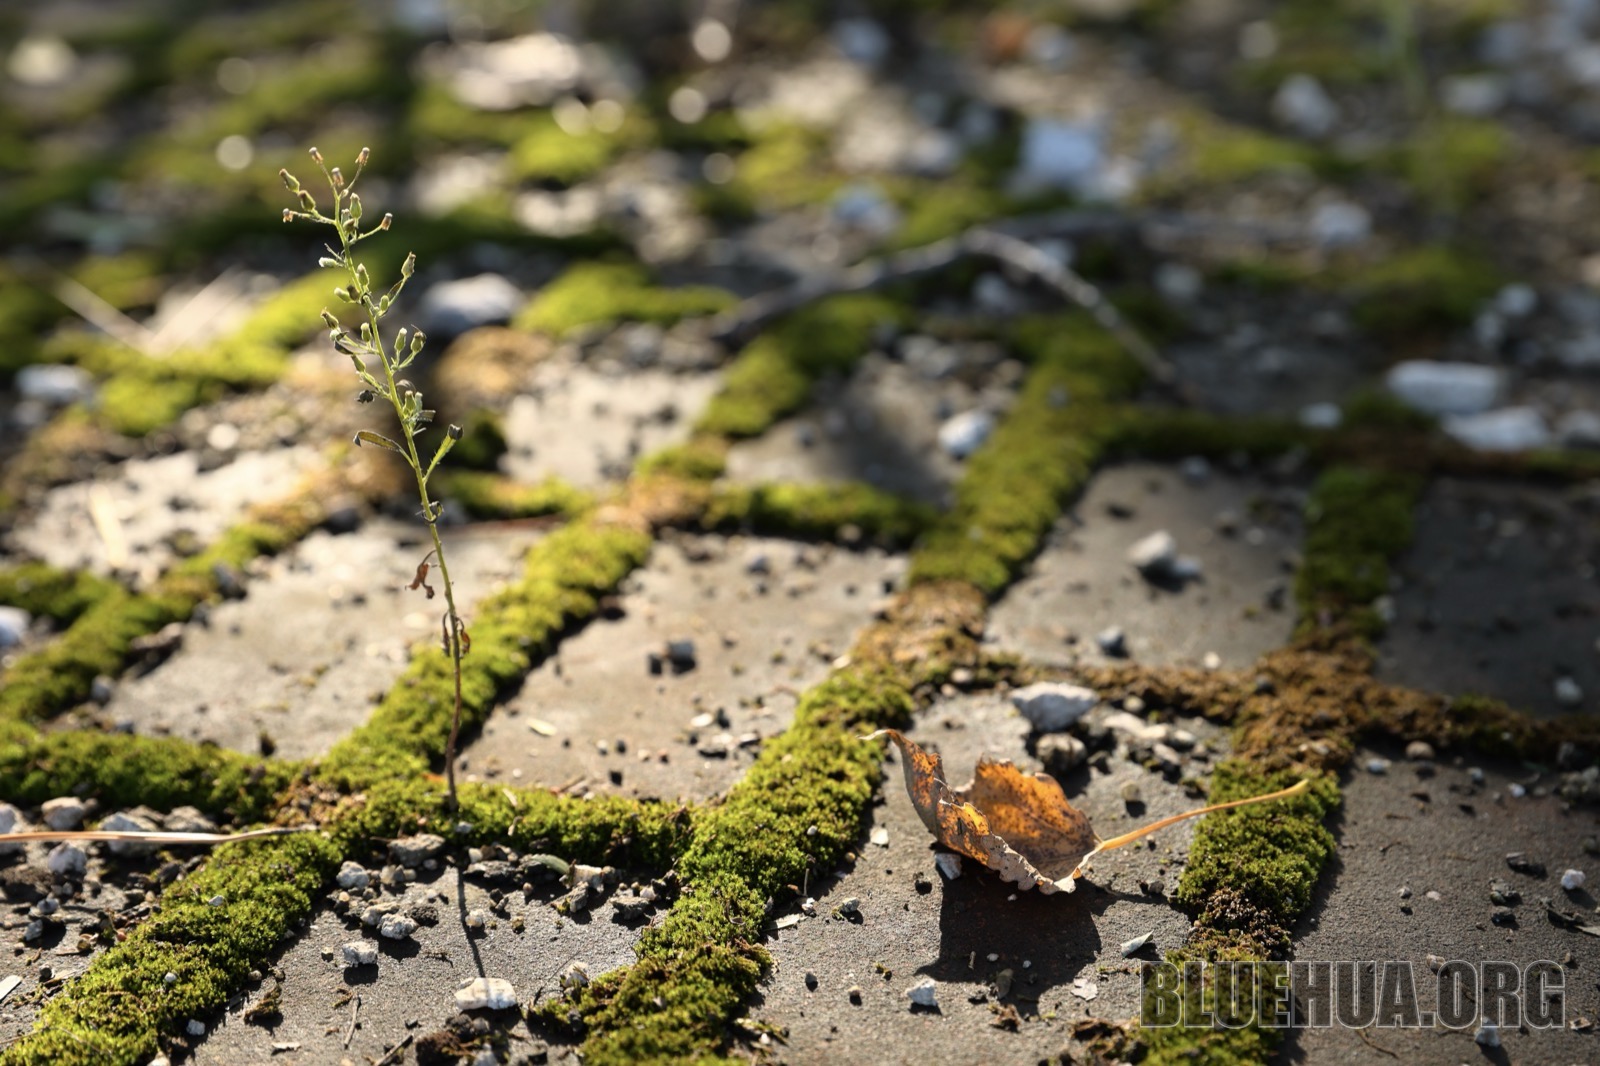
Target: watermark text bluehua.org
(1396, 993)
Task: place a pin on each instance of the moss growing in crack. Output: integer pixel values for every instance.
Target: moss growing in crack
(1170, 434)
(796, 812)
(562, 579)
(1451, 162)
(596, 829)
(817, 511)
(140, 394)
(118, 1011)
(493, 496)
(1422, 292)
(700, 458)
(544, 152)
(59, 595)
(161, 772)
(1356, 520)
(611, 292)
(1041, 454)
(1268, 855)
(773, 376)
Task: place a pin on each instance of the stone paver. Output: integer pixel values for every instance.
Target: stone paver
(328, 628)
(154, 500)
(1446, 839)
(1498, 596)
(1082, 583)
(948, 930)
(758, 640)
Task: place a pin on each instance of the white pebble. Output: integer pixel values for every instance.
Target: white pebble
(924, 993)
(1572, 880)
(486, 993)
(948, 865)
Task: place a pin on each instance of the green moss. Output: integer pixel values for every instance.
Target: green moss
(122, 770)
(773, 376)
(701, 458)
(1160, 433)
(27, 310)
(119, 1010)
(1356, 520)
(787, 166)
(611, 292)
(59, 595)
(563, 578)
(491, 496)
(1268, 854)
(942, 210)
(544, 152)
(1451, 162)
(141, 394)
(795, 813)
(817, 511)
(1223, 153)
(1422, 291)
(594, 829)
(125, 281)
(1042, 453)
(1378, 409)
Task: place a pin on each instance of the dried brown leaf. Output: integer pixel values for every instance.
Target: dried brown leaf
(1018, 824)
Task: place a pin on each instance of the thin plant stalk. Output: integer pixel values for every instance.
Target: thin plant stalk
(402, 396)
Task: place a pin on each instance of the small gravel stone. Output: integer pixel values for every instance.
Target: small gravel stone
(1062, 752)
(924, 993)
(477, 920)
(396, 927)
(963, 434)
(9, 819)
(1129, 947)
(1131, 793)
(1488, 1034)
(1501, 893)
(1052, 706)
(130, 822)
(1519, 862)
(353, 876)
(188, 820)
(1154, 555)
(948, 865)
(1419, 751)
(411, 852)
(1377, 766)
(360, 953)
(1572, 880)
(196, 1027)
(1567, 692)
(879, 836)
(1113, 642)
(575, 975)
(486, 993)
(67, 860)
(64, 812)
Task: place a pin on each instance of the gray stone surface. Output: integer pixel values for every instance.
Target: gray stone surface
(1497, 595)
(1446, 835)
(141, 495)
(881, 427)
(949, 931)
(319, 636)
(754, 652)
(411, 989)
(1083, 583)
(588, 426)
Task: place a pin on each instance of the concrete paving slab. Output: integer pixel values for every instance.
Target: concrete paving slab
(410, 990)
(881, 427)
(319, 636)
(1446, 838)
(587, 426)
(758, 641)
(1239, 530)
(1499, 597)
(153, 500)
(913, 923)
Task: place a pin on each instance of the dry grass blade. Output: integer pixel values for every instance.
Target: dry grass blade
(45, 836)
